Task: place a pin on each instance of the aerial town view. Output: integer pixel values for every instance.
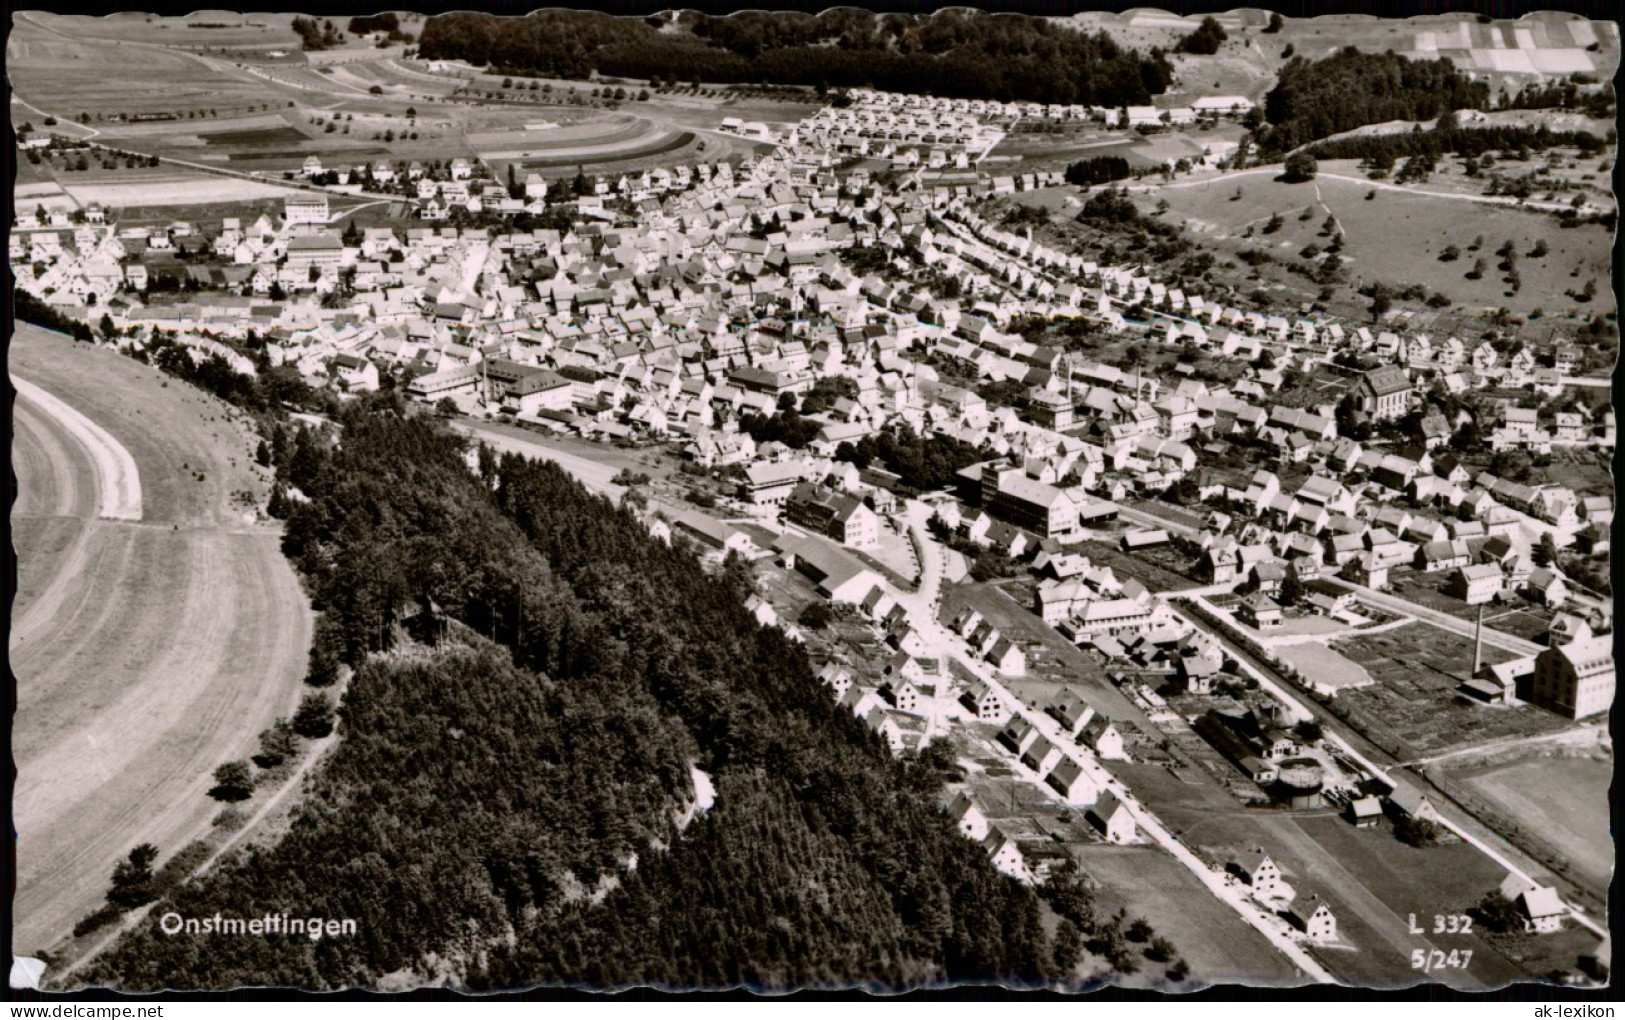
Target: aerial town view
(812, 501)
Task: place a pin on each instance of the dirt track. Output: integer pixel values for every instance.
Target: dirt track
(118, 479)
(145, 653)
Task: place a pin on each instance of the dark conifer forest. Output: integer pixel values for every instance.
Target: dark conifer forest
(1313, 99)
(954, 53)
(535, 674)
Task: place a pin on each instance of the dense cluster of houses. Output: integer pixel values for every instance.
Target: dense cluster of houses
(910, 131)
(907, 697)
(727, 294)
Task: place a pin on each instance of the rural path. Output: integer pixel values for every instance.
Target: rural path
(117, 480)
(1275, 171)
(1444, 621)
(315, 751)
(594, 475)
(340, 214)
(1584, 735)
(60, 120)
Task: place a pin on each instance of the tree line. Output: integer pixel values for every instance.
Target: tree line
(1087, 173)
(1313, 99)
(535, 734)
(951, 53)
(316, 35)
(922, 462)
(1468, 142)
(25, 307)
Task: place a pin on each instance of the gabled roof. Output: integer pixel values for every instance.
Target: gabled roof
(1541, 901)
(1384, 381)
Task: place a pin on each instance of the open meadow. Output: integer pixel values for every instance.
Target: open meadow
(1326, 667)
(1396, 237)
(1219, 946)
(146, 652)
(1561, 798)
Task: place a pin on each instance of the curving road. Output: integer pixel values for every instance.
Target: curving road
(118, 481)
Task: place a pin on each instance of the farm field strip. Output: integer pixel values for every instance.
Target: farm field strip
(144, 655)
(598, 153)
(1559, 797)
(117, 479)
(215, 125)
(38, 188)
(200, 190)
(596, 130)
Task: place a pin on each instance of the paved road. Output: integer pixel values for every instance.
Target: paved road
(1444, 621)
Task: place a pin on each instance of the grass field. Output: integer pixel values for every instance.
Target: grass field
(1565, 799)
(1324, 666)
(1212, 213)
(145, 653)
(1370, 880)
(1219, 946)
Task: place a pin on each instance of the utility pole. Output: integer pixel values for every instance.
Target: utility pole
(1478, 643)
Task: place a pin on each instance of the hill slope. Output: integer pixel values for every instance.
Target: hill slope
(483, 787)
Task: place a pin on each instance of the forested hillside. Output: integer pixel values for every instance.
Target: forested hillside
(1314, 99)
(482, 787)
(1464, 142)
(951, 53)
